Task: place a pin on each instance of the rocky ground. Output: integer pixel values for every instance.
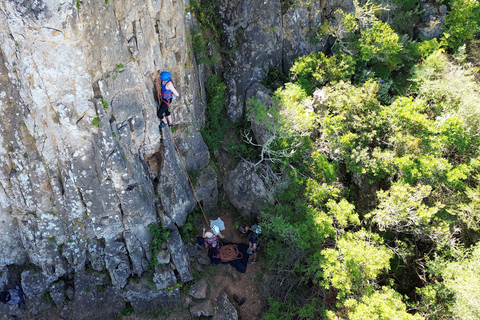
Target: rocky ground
(212, 294)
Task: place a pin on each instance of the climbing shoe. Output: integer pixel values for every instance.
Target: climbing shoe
(170, 125)
(162, 125)
(242, 228)
(242, 301)
(237, 299)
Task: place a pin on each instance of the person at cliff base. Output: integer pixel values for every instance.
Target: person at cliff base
(211, 239)
(12, 296)
(168, 92)
(253, 234)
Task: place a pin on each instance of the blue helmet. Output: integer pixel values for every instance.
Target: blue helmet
(165, 76)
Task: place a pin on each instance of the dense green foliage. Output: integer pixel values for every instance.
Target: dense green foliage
(215, 124)
(378, 216)
(205, 34)
(159, 236)
(373, 151)
(462, 23)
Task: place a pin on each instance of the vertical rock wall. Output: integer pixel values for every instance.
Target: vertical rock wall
(81, 154)
(264, 35)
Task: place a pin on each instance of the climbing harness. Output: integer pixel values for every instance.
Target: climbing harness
(176, 148)
(167, 94)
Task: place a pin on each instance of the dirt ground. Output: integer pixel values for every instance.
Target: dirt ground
(225, 278)
(242, 284)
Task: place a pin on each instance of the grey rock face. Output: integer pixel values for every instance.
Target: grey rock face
(85, 280)
(226, 310)
(207, 189)
(94, 296)
(433, 19)
(34, 283)
(199, 289)
(143, 299)
(164, 277)
(174, 182)
(180, 256)
(3, 277)
(57, 292)
(116, 261)
(254, 29)
(260, 129)
(200, 309)
(80, 149)
(262, 35)
(245, 190)
(97, 303)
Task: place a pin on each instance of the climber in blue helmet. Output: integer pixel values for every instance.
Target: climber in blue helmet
(167, 91)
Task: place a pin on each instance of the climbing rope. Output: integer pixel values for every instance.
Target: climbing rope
(229, 253)
(157, 83)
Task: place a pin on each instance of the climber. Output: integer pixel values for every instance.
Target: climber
(12, 296)
(252, 233)
(167, 91)
(211, 239)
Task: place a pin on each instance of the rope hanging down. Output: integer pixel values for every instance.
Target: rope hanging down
(157, 85)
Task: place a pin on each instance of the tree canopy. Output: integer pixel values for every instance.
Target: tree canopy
(380, 216)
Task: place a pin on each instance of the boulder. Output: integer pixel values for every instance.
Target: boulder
(164, 277)
(35, 283)
(432, 19)
(143, 298)
(203, 259)
(225, 310)
(260, 128)
(245, 190)
(192, 250)
(180, 256)
(57, 292)
(163, 257)
(199, 289)
(97, 302)
(200, 309)
(70, 293)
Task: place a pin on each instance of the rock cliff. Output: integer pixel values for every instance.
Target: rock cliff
(84, 168)
(263, 35)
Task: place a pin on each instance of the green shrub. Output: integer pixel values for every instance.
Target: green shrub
(322, 169)
(461, 23)
(317, 69)
(215, 124)
(380, 43)
(428, 47)
(159, 235)
(448, 88)
(278, 310)
(384, 304)
(189, 229)
(461, 278)
(354, 264)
